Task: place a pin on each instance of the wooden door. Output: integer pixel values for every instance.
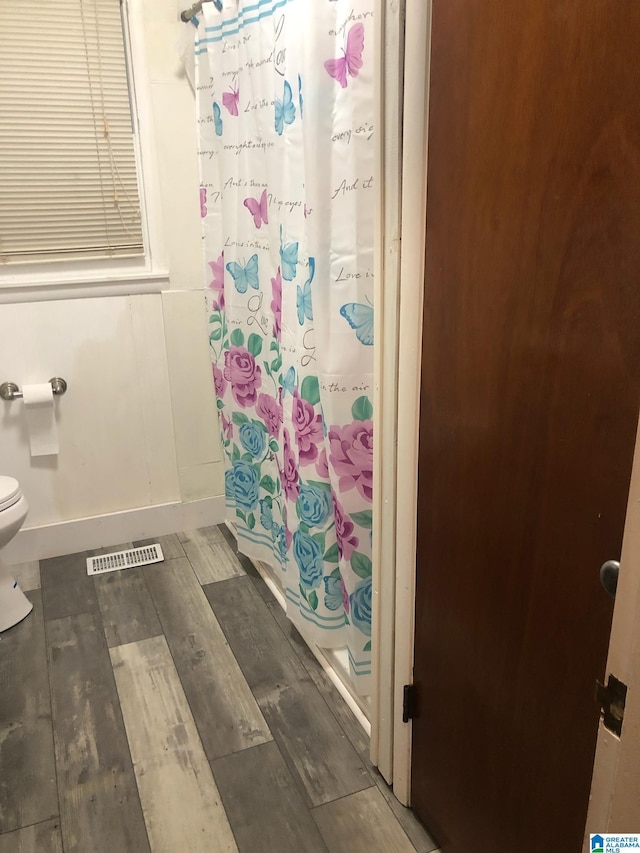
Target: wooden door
(530, 397)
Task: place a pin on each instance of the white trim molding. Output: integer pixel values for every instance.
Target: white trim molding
(389, 82)
(84, 287)
(100, 531)
(409, 343)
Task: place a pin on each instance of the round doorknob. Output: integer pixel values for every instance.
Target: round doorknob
(609, 576)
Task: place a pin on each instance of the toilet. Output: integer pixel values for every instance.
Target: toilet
(14, 604)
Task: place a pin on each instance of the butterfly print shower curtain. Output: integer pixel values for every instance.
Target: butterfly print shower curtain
(285, 117)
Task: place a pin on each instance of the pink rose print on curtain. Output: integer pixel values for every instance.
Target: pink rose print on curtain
(245, 376)
(351, 456)
(322, 466)
(219, 381)
(289, 473)
(270, 410)
(347, 542)
(276, 305)
(217, 282)
(345, 596)
(287, 535)
(308, 427)
(227, 426)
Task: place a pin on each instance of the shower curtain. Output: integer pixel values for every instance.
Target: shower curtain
(285, 107)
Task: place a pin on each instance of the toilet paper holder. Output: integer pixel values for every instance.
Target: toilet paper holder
(10, 391)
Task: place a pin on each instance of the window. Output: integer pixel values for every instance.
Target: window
(68, 176)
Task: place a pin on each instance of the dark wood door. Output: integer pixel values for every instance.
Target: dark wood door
(530, 397)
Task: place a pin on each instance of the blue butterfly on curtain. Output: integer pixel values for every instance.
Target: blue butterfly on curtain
(289, 381)
(285, 109)
(244, 276)
(217, 118)
(360, 317)
(303, 299)
(288, 259)
(300, 99)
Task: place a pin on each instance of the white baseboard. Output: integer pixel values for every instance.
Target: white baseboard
(103, 531)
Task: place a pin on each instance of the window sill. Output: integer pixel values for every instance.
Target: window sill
(83, 286)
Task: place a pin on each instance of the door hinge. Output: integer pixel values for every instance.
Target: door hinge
(408, 702)
(611, 700)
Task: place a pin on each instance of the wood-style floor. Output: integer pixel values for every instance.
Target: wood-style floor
(174, 709)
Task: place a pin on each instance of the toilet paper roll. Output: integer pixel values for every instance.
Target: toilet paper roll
(41, 419)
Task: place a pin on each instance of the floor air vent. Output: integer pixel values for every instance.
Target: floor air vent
(124, 559)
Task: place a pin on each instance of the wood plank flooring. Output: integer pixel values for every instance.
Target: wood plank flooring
(174, 709)
(360, 823)
(264, 803)
(128, 614)
(226, 712)
(180, 801)
(38, 838)
(96, 784)
(26, 736)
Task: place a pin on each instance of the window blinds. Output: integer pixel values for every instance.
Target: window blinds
(68, 179)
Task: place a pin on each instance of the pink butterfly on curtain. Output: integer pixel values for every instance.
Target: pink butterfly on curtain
(203, 202)
(231, 100)
(352, 59)
(258, 209)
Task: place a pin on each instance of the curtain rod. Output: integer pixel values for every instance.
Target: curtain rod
(189, 14)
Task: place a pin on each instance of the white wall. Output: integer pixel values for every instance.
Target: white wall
(115, 425)
(138, 425)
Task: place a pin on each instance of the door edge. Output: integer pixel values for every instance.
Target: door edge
(615, 784)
